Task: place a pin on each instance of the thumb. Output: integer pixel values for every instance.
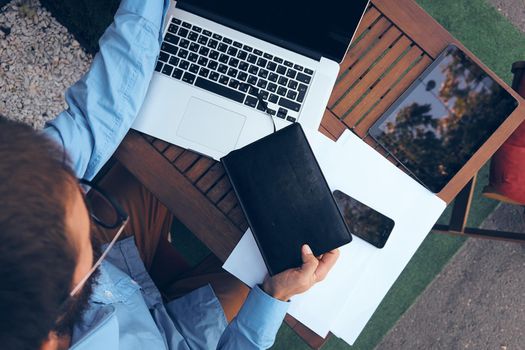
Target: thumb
(310, 262)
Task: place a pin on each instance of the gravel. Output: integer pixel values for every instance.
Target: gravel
(39, 59)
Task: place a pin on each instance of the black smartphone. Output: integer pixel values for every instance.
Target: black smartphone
(363, 221)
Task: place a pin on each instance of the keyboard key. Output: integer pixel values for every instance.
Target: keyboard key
(243, 66)
(206, 32)
(172, 39)
(237, 44)
(291, 94)
(213, 43)
(288, 64)
(227, 40)
(278, 60)
(247, 48)
(177, 73)
(183, 53)
(281, 69)
(303, 78)
(217, 37)
(267, 56)
(262, 84)
(183, 32)
(273, 77)
(258, 52)
(174, 61)
(298, 67)
(252, 58)
(252, 80)
(203, 61)
(220, 90)
(213, 65)
(291, 73)
(232, 72)
(163, 57)
(264, 95)
(300, 97)
(176, 21)
(232, 51)
(224, 80)
(281, 91)
(233, 62)
(242, 55)
(184, 43)
(289, 104)
(224, 58)
(222, 47)
(214, 76)
(291, 119)
(222, 68)
(271, 66)
(263, 73)
(283, 81)
(158, 67)
(204, 72)
(214, 55)
(262, 106)
(282, 113)
(202, 40)
(194, 68)
(194, 47)
(273, 98)
(253, 69)
(169, 48)
(167, 69)
(193, 36)
(186, 25)
(292, 84)
(197, 29)
(261, 62)
(302, 88)
(193, 57)
(244, 87)
(272, 88)
(184, 64)
(251, 101)
(204, 51)
(253, 91)
(308, 71)
(173, 29)
(242, 76)
(233, 83)
(271, 111)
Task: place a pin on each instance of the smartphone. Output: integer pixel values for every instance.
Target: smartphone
(363, 221)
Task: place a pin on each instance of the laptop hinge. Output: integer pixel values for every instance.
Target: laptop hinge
(250, 31)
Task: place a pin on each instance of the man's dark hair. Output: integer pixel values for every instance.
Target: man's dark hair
(37, 260)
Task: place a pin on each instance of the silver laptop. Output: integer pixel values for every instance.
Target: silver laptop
(226, 68)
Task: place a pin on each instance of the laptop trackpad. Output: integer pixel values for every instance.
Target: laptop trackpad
(210, 125)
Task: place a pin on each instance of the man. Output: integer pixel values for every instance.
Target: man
(59, 288)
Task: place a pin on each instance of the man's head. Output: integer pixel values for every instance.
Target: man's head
(45, 239)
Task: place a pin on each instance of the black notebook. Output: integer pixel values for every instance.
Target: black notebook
(285, 198)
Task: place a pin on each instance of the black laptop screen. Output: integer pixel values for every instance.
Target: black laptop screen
(324, 28)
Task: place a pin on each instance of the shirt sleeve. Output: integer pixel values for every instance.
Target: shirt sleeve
(104, 103)
(257, 323)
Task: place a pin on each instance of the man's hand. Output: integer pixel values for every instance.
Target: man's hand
(296, 281)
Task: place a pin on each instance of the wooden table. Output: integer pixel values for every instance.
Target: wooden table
(395, 42)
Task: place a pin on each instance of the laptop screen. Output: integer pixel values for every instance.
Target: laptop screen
(322, 28)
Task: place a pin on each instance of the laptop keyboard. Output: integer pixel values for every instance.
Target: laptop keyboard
(233, 70)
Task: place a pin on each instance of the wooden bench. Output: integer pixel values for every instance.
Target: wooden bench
(395, 42)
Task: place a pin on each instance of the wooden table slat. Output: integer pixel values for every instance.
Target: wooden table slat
(332, 125)
(173, 152)
(228, 202)
(390, 95)
(237, 216)
(371, 15)
(363, 63)
(210, 178)
(186, 160)
(219, 190)
(160, 145)
(199, 168)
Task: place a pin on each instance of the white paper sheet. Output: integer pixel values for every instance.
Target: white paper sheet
(344, 302)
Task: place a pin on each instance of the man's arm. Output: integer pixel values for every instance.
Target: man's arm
(105, 102)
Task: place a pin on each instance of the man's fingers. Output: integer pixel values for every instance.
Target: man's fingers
(310, 262)
(325, 264)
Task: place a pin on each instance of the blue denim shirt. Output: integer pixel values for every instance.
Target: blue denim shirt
(126, 310)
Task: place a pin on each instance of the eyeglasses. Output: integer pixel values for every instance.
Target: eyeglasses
(105, 212)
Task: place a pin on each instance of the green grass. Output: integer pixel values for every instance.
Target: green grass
(480, 28)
